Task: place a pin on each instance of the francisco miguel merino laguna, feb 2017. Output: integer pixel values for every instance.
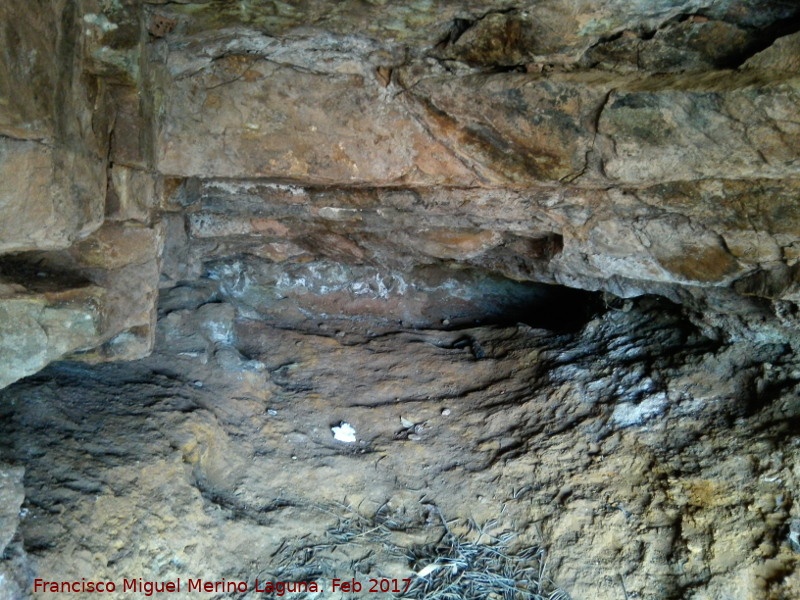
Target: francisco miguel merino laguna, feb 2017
(148, 588)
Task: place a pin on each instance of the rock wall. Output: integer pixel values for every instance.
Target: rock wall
(651, 150)
(631, 150)
(571, 226)
(13, 568)
(81, 244)
(648, 459)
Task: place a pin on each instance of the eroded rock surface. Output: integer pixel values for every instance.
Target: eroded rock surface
(627, 149)
(14, 570)
(543, 256)
(642, 453)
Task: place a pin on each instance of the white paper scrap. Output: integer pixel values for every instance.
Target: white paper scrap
(344, 432)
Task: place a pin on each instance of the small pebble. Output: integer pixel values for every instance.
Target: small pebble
(446, 412)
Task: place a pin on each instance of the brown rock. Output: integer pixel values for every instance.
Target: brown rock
(710, 127)
(37, 328)
(131, 195)
(258, 120)
(782, 55)
(49, 198)
(125, 259)
(458, 245)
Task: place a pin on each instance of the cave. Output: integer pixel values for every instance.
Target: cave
(402, 299)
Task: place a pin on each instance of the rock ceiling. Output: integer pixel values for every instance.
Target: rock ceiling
(626, 147)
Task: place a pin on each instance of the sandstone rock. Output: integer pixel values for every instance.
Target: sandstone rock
(239, 461)
(252, 141)
(50, 197)
(51, 155)
(49, 84)
(509, 38)
(294, 294)
(512, 129)
(716, 232)
(713, 127)
(131, 139)
(96, 299)
(11, 496)
(683, 46)
(125, 259)
(36, 329)
(328, 196)
(28, 77)
(484, 130)
(132, 195)
(553, 31)
(782, 55)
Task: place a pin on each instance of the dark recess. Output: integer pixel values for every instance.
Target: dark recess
(37, 272)
(557, 308)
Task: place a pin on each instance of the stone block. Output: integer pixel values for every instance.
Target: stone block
(131, 195)
(49, 197)
(38, 328)
(258, 119)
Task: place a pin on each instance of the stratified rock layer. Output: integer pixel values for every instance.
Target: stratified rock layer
(258, 119)
(337, 147)
(626, 149)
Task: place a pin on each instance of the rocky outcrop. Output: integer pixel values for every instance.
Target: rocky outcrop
(676, 176)
(13, 567)
(81, 248)
(642, 454)
(52, 143)
(644, 150)
(556, 241)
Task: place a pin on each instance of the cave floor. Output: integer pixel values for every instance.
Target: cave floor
(648, 461)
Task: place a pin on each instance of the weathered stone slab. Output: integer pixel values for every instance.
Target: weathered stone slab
(477, 31)
(258, 119)
(512, 128)
(783, 55)
(36, 329)
(125, 259)
(710, 233)
(94, 301)
(291, 294)
(53, 127)
(722, 125)
(49, 197)
(12, 494)
(28, 74)
(131, 195)
(694, 44)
